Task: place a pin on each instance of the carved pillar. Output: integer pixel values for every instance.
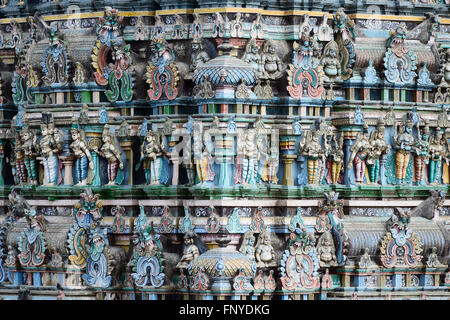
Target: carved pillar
(288, 160)
(224, 156)
(174, 158)
(68, 172)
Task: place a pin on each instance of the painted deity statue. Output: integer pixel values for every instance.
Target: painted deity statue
(272, 65)
(202, 147)
(313, 151)
(198, 55)
(403, 143)
(421, 153)
(337, 159)
(111, 151)
(252, 56)
(378, 148)
(190, 252)
(264, 252)
(360, 152)
(437, 152)
(152, 151)
(82, 154)
(31, 151)
(50, 146)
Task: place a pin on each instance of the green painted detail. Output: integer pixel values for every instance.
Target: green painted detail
(390, 170)
(86, 97)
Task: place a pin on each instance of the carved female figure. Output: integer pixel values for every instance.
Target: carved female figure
(111, 151)
(326, 250)
(360, 151)
(378, 148)
(248, 245)
(403, 143)
(436, 151)
(50, 146)
(272, 66)
(82, 155)
(312, 150)
(202, 157)
(421, 154)
(249, 163)
(152, 151)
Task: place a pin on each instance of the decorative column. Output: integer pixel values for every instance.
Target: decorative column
(68, 172)
(287, 145)
(224, 155)
(174, 158)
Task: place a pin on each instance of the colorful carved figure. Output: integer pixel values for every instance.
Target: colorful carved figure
(166, 225)
(305, 74)
(249, 156)
(146, 261)
(31, 244)
(345, 36)
(190, 251)
(264, 252)
(252, 56)
(400, 246)
(152, 151)
(118, 72)
(202, 147)
(403, 143)
(50, 146)
(83, 157)
(312, 150)
(399, 61)
(19, 159)
(118, 225)
(378, 149)
(162, 73)
(421, 153)
(437, 151)
(360, 151)
(330, 220)
(248, 245)
(257, 224)
(111, 151)
(186, 224)
(212, 223)
(336, 157)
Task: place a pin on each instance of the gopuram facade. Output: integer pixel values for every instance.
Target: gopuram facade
(215, 150)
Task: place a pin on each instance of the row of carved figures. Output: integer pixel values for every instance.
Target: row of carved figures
(253, 153)
(307, 252)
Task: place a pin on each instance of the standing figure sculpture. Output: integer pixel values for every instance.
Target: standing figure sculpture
(337, 159)
(82, 154)
(312, 150)
(31, 151)
(403, 143)
(111, 151)
(437, 152)
(249, 159)
(202, 154)
(360, 151)
(152, 151)
(190, 251)
(252, 57)
(421, 157)
(50, 146)
(378, 148)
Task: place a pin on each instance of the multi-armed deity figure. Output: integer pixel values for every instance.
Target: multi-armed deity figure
(313, 151)
(50, 146)
(378, 148)
(421, 157)
(111, 151)
(31, 151)
(437, 152)
(403, 143)
(82, 154)
(360, 151)
(152, 151)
